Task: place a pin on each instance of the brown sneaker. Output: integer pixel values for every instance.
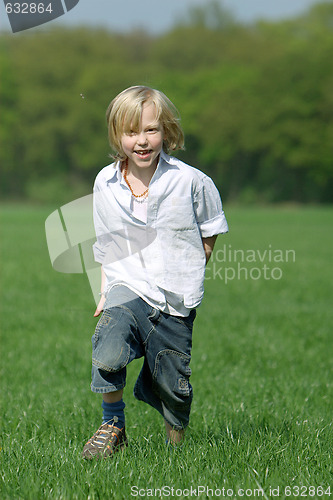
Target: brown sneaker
(105, 442)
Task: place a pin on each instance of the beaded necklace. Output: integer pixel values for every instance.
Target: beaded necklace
(136, 196)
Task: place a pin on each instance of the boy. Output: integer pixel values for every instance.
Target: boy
(156, 221)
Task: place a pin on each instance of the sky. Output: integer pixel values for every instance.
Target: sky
(157, 16)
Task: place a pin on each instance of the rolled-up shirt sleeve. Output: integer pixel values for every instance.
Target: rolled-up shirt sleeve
(208, 208)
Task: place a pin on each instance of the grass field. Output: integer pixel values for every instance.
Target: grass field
(261, 421)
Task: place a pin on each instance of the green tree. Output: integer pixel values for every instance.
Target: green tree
(255, 100)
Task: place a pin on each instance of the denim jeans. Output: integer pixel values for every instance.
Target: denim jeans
(130, 329)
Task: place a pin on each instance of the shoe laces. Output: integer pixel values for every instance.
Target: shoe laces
(104, 434)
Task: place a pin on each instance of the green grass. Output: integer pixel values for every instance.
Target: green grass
(262, 372)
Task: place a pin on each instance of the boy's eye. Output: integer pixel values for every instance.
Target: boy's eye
(149, 130)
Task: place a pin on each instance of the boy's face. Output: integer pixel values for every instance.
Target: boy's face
(143, 147)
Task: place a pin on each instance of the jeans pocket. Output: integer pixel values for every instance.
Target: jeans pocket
(182, 385)
(103, 321)
(172, 373)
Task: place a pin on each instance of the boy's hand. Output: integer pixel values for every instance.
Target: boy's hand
(100, 307)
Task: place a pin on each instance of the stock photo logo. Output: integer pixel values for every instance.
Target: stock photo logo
(70, 235)
(25, 15)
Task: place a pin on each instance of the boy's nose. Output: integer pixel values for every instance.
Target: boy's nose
(142, 138)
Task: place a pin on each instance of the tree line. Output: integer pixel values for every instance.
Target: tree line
(255, 100)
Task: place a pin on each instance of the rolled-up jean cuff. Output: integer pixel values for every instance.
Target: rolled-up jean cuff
(103, 381)
(106, 389)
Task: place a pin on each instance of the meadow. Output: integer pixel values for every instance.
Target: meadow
(261, 421)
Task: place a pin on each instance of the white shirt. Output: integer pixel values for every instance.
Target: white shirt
(160, 255)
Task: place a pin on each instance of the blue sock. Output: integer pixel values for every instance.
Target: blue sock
(114, 412)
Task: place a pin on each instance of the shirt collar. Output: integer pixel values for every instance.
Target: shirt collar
(114, 172)
(167, 158)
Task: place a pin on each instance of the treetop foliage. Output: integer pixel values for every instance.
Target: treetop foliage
(256, 103)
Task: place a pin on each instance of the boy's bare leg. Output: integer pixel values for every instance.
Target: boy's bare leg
(174, 436)
(113, 397)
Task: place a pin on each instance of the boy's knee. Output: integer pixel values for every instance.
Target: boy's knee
(111, 351)
(111, 361)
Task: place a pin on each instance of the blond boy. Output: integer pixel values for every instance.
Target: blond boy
(156, 221)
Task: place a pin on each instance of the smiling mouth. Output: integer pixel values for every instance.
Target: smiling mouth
(143, 153)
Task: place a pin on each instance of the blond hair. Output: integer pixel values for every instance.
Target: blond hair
(124, 115)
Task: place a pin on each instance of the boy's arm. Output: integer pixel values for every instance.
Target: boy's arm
(208, 244)
(100, 305)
